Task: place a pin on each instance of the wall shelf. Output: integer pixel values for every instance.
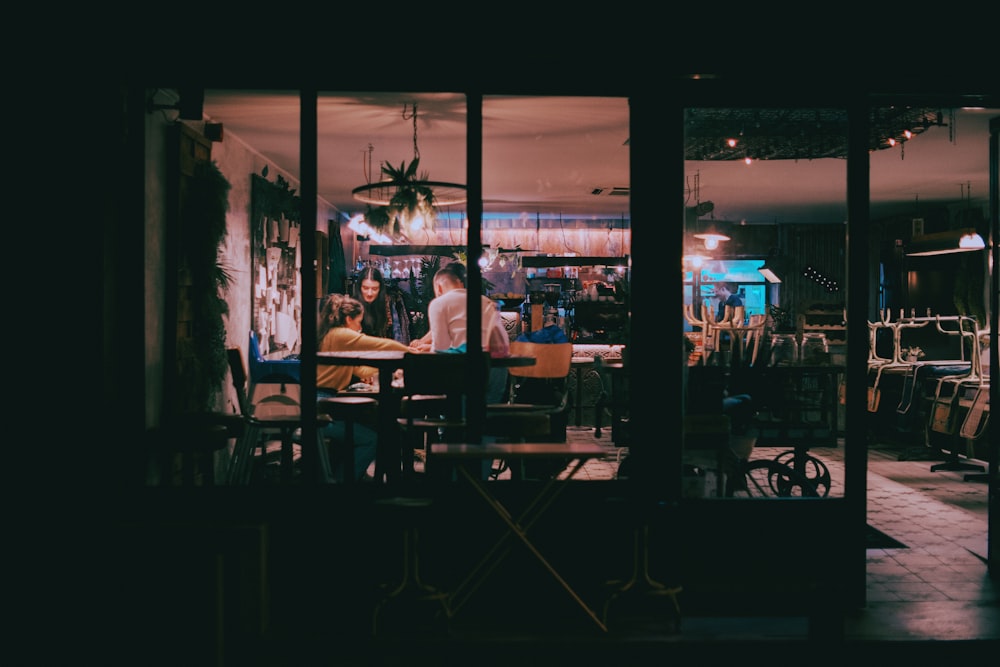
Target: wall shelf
(538, 261)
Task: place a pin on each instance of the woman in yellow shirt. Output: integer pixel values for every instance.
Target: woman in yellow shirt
(340, 331)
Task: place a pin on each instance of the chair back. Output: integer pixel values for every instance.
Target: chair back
(435, 374)
(275, 396)
(238, 370)
(261, 367)
(552, 360)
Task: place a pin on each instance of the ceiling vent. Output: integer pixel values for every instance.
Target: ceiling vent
(611, 192)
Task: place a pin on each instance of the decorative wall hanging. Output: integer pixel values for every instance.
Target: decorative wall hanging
(276, 297)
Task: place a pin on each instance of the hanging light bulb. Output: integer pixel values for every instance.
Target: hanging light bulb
(971, 241)
(711, 236)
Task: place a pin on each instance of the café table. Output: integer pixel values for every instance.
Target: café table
(387, 361)
(457, 453)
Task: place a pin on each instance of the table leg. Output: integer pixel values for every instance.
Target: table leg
(528, 517)
(579, 394)
(387, 451)
(514, 528)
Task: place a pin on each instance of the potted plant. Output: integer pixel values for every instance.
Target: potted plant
(413, 198)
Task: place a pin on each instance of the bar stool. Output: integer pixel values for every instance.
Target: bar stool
(407, 512)
(347, 409)
(640, 591)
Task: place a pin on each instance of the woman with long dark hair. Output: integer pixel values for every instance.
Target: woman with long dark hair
(370, 291)
(385, 316)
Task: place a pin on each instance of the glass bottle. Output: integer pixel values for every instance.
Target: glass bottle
(784, 350)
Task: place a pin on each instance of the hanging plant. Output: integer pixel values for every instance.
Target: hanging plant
(412, 197)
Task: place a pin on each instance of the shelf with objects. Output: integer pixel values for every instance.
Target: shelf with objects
(588, 297)
(828, 319)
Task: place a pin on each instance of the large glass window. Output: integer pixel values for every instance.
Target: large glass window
(764, 306)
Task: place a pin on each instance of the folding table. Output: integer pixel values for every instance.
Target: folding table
(516, 527)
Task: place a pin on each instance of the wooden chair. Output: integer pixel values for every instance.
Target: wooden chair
(537, 402)
(552, 362)
(270, 407)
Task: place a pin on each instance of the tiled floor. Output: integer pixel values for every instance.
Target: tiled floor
(937, 588)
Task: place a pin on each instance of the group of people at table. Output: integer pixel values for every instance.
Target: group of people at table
(349, 324)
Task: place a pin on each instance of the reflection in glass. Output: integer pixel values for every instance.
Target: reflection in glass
(774, 181)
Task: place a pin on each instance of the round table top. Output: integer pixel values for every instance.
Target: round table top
(389, 357)
(367, 358)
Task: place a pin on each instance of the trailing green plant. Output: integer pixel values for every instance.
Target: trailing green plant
(201, 357)
(428, 267)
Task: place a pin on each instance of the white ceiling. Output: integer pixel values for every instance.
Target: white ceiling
(548, 154)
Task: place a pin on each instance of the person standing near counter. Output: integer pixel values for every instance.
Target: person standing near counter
(725, 293)
(727, 296)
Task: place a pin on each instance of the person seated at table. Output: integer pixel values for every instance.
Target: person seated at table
(340, 331)
(446, 315)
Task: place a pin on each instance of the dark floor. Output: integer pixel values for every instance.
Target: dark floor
(928, 602)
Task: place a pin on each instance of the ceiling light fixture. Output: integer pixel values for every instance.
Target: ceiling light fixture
(945, 243)
(796, 134)
(773, 268)
(711, 236)
(403, 200)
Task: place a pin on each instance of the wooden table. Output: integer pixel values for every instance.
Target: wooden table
(387, 361)
(516, 527)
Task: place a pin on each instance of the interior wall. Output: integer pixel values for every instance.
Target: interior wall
(237, 162)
